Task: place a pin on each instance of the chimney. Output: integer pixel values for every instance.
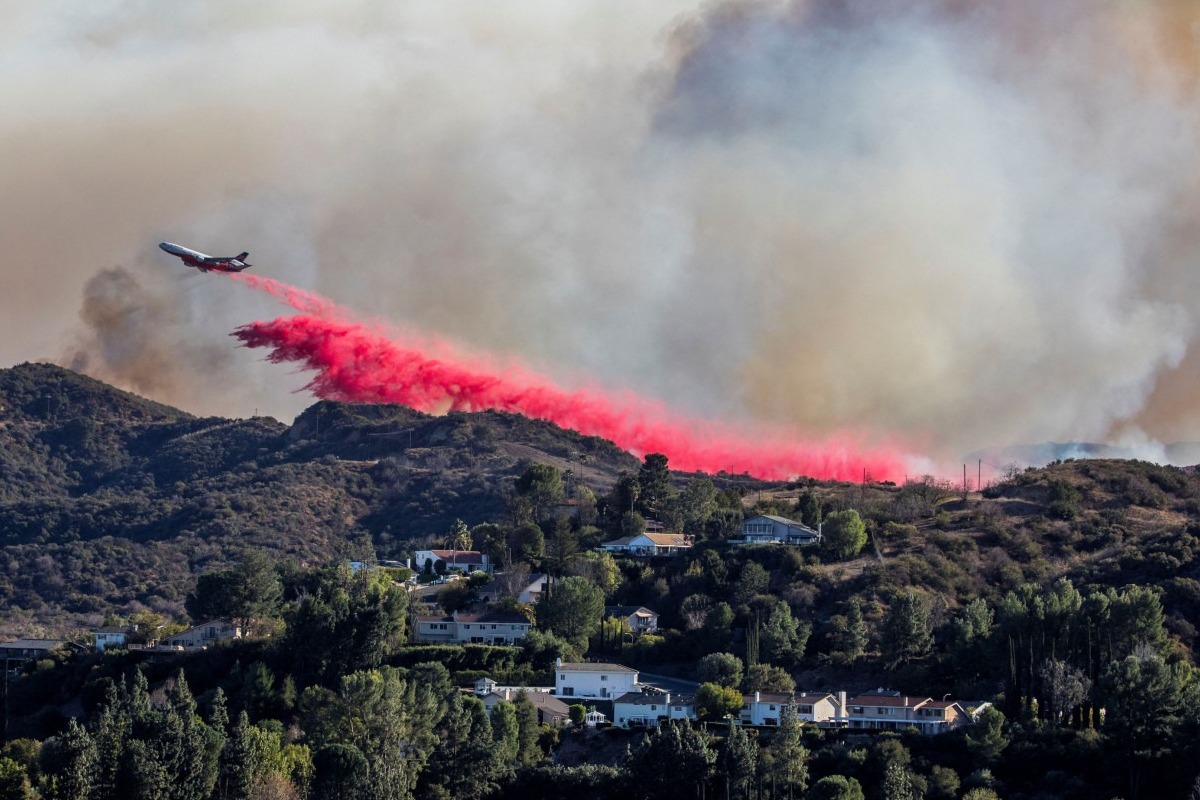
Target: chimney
(842, 711)
(558, 663)
(668, 700)
(757, 696)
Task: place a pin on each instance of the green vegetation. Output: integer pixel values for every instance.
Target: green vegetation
(1067, 597)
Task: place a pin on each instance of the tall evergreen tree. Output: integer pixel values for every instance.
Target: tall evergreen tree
(905, 634)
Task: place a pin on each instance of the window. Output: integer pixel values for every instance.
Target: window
(603, 677)
(568, 691)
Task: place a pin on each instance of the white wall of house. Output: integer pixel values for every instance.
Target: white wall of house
(644, 714)
(593, 680)
(469, 632)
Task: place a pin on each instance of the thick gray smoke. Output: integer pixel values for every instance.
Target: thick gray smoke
(952, 224)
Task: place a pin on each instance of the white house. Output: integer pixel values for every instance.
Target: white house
(488, 627)
(593, 680)
(453, 560)
(650, 544)
(766, 708)
(640, 618)
(113, 636)
(770, 529)
(648, 710)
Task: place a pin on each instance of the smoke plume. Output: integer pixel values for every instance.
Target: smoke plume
(954, 223)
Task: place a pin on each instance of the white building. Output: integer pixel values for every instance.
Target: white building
(593, 680)
(649, 710)
(113, 636)
(650, 544)
(640, 618)
(770, 529)
(488, 627)
(453, 560)
(766, 708)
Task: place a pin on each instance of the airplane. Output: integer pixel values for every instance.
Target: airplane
(207, 263)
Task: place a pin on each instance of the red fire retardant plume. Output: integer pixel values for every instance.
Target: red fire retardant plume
(361, 363)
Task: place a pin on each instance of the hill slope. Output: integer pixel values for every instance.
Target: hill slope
(109, 501)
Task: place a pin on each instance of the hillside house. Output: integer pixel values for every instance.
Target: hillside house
(486, 627)
(529, 590)
(766, 708)
(650, 544)
(452, 561)
(112, 636)
(892, 711)
(770, 529)
(18, 651)
(650, 709)
(640, 618)
(551, 711)
(204, 635)
(604, 681)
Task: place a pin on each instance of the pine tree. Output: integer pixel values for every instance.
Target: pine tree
(737, 762)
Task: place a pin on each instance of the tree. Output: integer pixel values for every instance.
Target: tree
(898, 783)
(737, 761)
(572, 610)
(564, 545)
(66, 763)
(654, 484)
(723, 669)
(752, 581)
(526, 543)
(600, 568)
(679, 745)
(505, 732)
(783, 637)
(767, 678)
(714, 701)
(341, 773)
(985, 737)
(1144, 705)
(785, 758)
(577, 713)
(248, 592)
(905, 633)
(1064, 688)
(529, 752)
(542, 486)
(14, 781)
(848, 635)
(459, 537)
(835, 787)
(844, 534)
(464, 763)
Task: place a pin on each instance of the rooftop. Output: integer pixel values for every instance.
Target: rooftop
(564, 666)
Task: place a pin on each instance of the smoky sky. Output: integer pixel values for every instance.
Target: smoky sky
(951, 224)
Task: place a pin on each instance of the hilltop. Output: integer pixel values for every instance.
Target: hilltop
(110, 501)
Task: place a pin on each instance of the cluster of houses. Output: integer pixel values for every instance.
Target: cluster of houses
(653, 543)
(635, 705)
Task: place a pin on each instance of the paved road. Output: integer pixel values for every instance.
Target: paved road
(667, 683)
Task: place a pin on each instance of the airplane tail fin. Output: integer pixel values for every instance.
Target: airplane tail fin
(243, 257)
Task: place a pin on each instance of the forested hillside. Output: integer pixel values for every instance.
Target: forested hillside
(112, 502)
(1061, 603)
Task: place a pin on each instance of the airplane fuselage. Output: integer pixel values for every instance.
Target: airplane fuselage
(204, 262)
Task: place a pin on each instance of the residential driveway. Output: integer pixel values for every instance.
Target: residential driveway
(668, 684)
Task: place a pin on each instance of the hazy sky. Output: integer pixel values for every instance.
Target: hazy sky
(956, 224)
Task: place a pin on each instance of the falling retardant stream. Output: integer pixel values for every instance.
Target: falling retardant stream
(360, 362)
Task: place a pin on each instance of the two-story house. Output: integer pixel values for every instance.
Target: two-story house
(649, 709)
(770, 529)
(486, 627)
(640, 618)
(892, 711)
(766, 708)
(593, 680)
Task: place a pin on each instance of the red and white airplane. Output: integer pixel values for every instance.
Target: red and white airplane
(207, 263)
